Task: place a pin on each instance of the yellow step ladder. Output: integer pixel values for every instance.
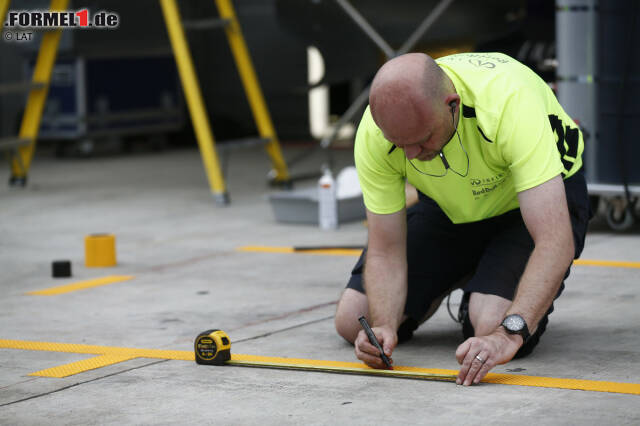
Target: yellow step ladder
(24, 145)
(227, 20)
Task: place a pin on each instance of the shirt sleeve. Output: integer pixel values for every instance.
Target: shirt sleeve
(528, 142)
(382, 184)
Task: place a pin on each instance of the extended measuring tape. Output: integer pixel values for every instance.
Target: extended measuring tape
(213, 347)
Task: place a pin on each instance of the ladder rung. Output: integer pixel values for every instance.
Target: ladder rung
(136, 130)
(22, 86)
(138, 114)
(205, 24)
(241, 143)
(13, 142)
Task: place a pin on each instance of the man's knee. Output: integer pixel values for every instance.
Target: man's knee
(486, 312)
(351, 306)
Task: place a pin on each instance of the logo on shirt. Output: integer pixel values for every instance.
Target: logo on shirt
(483, 186)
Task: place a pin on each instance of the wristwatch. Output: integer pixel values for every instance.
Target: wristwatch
(515, 324)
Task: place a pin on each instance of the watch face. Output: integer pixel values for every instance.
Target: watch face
(514, 323)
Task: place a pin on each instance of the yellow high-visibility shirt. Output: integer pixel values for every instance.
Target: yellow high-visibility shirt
(513, 129)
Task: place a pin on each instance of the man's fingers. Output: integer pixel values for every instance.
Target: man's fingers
(483, 371)
(477, 362)
(371, 360)
(478, 355)
(386, 338)
(387, 342)
(464, 369)
(370, 349)
(461, 354)
(466, 355)
(387, 349)
(462, 350)
(368, 353)
(367, 347)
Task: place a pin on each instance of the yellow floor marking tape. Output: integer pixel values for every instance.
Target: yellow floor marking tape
(97, 350)
(611, 263)
(81, 366)
(81, 285)
(111, 355)
(358, 252)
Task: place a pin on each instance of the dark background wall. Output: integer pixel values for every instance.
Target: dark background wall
(618, 91)
(277, 33)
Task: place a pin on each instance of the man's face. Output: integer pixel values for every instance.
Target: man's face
(424, 140)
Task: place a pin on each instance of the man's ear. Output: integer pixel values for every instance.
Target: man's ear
(453, 100)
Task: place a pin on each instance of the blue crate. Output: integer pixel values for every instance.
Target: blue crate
(111, 96)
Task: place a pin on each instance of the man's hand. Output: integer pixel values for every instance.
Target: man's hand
(497, 348)
(369, 354)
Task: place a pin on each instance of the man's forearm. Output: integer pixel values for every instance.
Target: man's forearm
(385, 281)
(541, 280)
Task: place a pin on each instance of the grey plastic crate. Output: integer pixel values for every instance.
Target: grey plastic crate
(301, 206)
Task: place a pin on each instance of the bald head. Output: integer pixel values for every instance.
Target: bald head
(405, 92)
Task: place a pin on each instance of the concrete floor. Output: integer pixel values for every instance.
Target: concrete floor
(189, 277)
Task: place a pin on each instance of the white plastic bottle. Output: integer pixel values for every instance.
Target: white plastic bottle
(327, 201)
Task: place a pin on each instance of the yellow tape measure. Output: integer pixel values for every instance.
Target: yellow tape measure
(212, 347)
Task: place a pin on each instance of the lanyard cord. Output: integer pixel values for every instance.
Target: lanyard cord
(444, 159)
